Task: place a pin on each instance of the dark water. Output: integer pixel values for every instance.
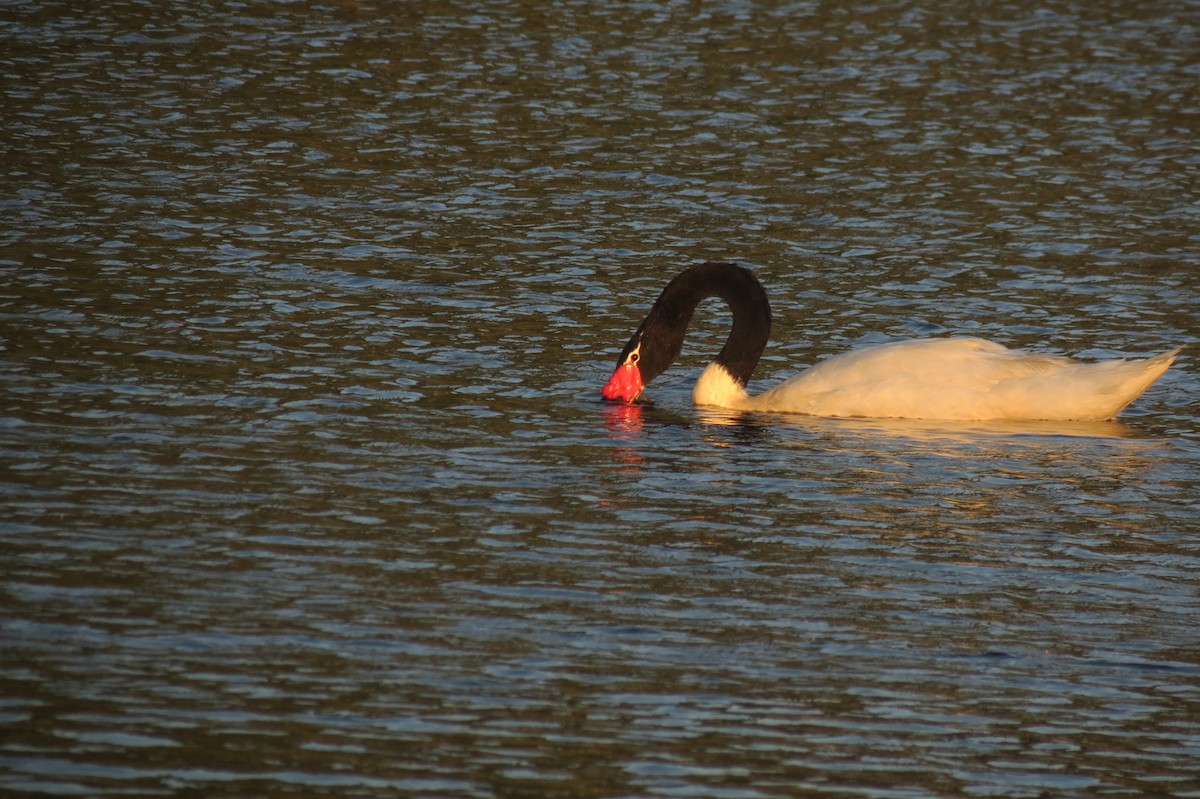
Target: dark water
(306, 486)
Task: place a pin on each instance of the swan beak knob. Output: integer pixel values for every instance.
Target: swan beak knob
(625, 385)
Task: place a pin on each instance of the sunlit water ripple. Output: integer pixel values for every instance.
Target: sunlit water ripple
(307, 488)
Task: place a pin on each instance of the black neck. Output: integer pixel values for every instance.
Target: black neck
(668, 320)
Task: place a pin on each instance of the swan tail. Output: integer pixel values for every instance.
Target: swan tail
(1129, 379)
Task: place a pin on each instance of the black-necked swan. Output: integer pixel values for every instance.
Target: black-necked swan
(938, 378)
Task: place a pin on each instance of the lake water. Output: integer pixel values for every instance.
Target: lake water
(307, 488)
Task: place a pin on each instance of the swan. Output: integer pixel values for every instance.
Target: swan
(967, 379)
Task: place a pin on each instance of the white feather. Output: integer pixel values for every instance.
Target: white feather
(948, 378)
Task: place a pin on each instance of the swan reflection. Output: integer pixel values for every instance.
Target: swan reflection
(919, 429)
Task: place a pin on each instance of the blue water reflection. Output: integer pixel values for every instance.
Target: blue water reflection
(306, 487)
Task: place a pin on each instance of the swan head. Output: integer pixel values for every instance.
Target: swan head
(637, 366)
(625, 385)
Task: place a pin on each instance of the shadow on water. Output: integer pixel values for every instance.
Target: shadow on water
(966, 432)
(925, 455)
(629, 420)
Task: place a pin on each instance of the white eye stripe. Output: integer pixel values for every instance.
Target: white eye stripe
(636, 355)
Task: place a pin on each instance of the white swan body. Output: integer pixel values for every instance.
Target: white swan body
(948, 378)
(965, 379)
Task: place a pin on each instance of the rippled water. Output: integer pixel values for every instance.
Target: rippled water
(307, 489)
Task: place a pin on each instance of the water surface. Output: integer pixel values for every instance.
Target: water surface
(307, 488)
